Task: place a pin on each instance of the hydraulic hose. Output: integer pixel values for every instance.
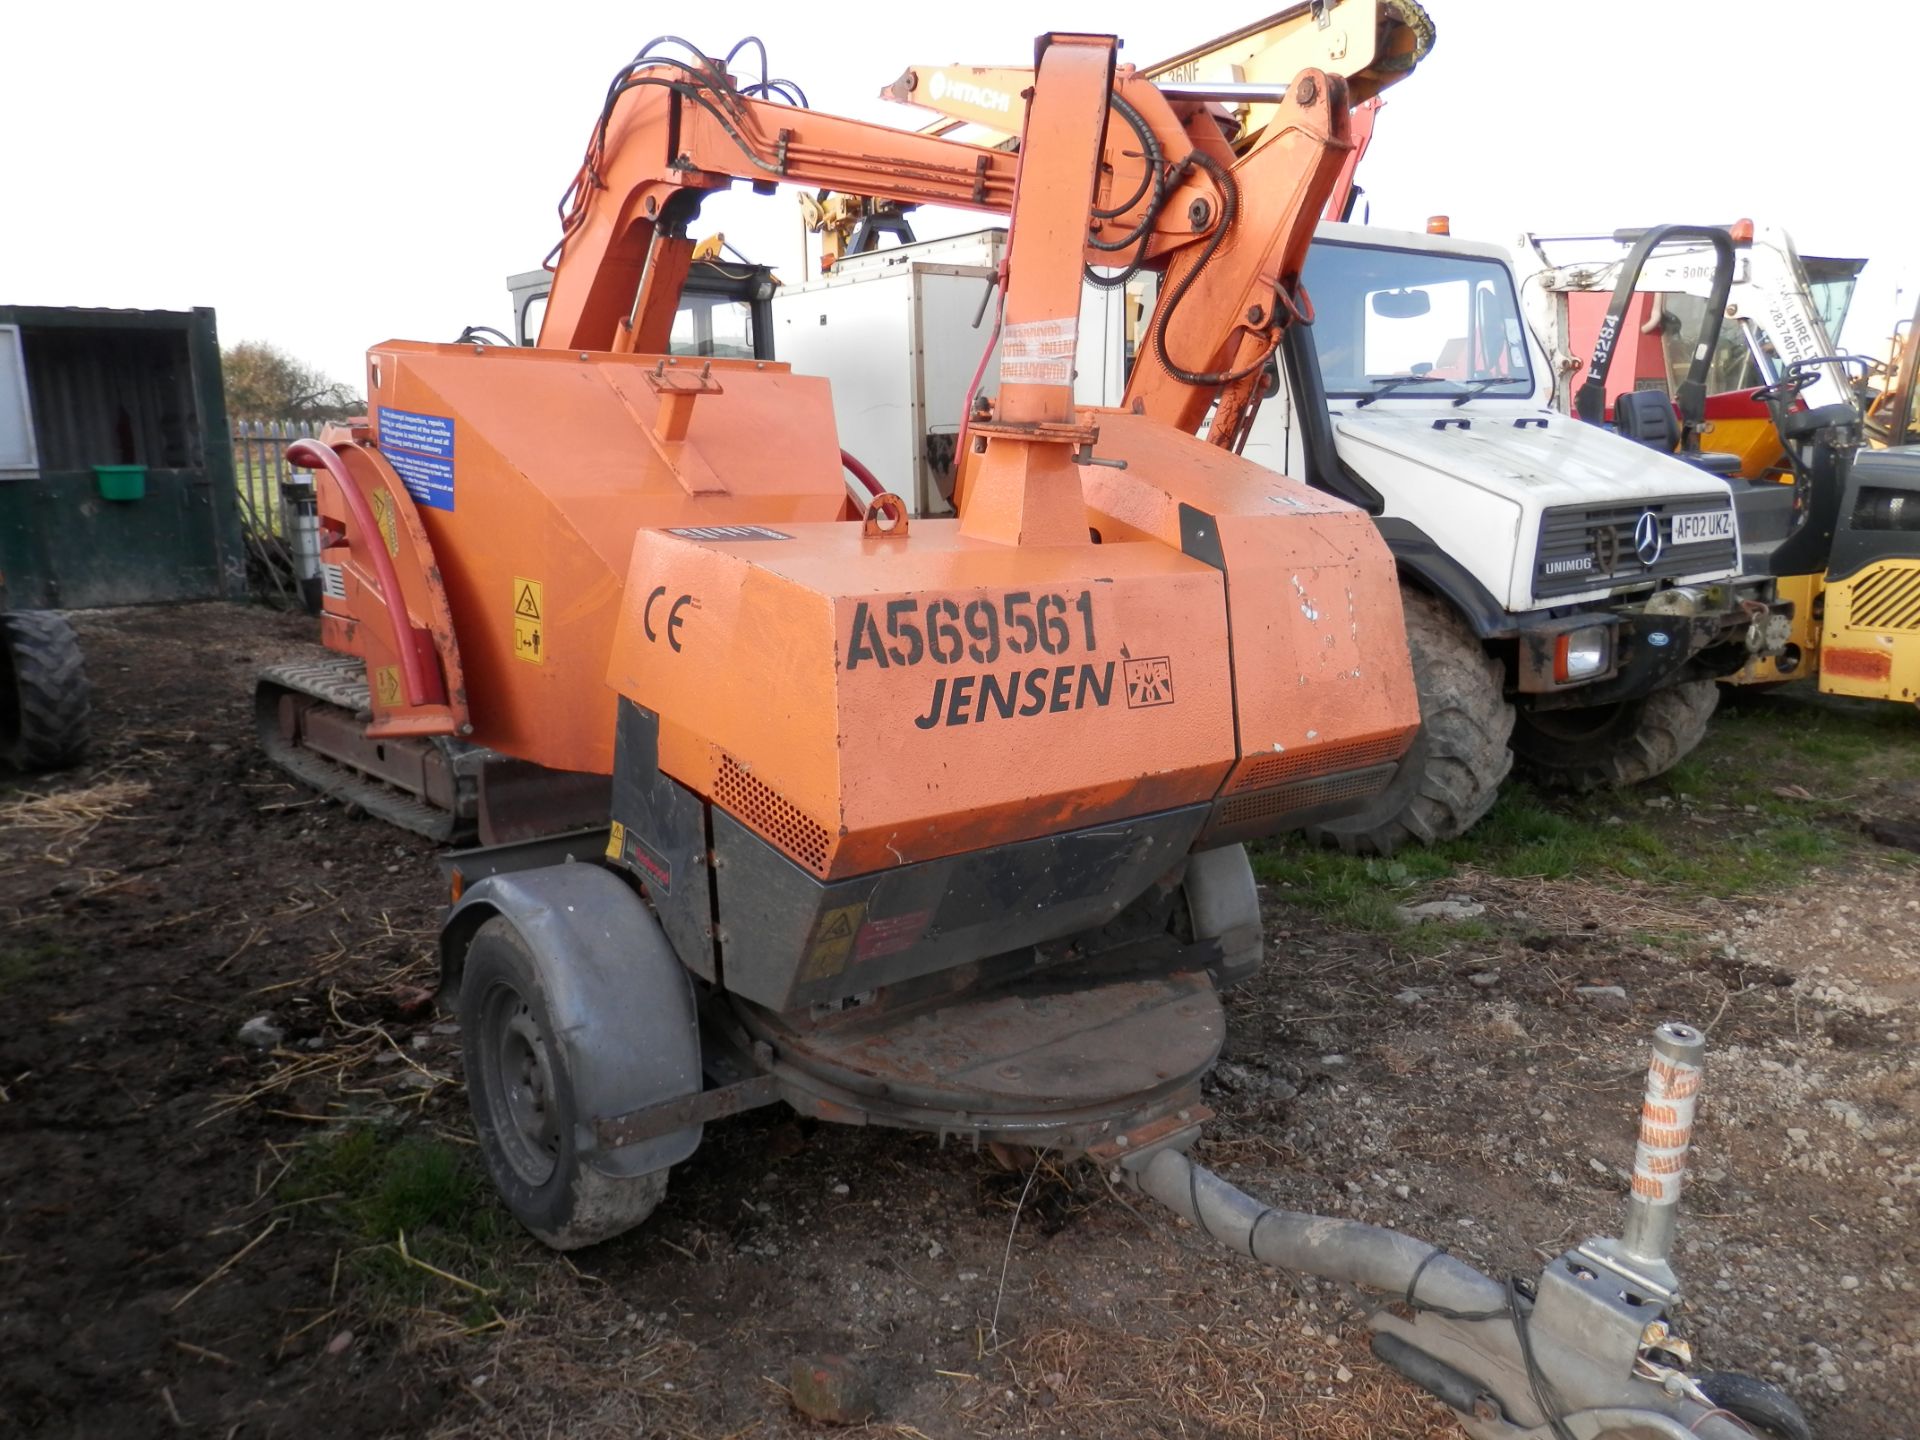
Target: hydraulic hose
(862, 474)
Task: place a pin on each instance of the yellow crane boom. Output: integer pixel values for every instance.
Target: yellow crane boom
(1371, 43)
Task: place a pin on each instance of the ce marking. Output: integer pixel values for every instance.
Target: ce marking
(674, 618)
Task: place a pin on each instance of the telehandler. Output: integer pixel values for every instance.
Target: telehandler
(916, 822)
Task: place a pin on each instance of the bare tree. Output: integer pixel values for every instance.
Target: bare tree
(264, 382)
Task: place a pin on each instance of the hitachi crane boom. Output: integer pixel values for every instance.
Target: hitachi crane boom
(1371, 44)
(1239, 79)
(1170, 194)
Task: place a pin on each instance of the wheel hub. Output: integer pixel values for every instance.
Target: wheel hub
(520, 1088)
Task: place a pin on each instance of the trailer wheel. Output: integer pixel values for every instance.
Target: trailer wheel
(1451, 775)
(44, 697)
(1610, 746)
(1758, 1403)
(520, 1086)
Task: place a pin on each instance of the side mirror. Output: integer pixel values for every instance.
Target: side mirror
(1400, 304)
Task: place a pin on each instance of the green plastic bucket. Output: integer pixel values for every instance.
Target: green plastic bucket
(121, 482)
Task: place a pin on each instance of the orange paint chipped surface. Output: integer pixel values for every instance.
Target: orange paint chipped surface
(1856, 664)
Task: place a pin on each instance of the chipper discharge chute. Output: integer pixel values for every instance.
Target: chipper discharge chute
(909, 822)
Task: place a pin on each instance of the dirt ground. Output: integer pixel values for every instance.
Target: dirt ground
(193, 1229)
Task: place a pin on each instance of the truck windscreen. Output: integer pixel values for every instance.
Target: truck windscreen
(1449, 324)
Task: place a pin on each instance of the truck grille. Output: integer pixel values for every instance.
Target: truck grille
(1588, 547)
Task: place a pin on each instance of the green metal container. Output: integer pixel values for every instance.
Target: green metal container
(116, 462)
(121, 482)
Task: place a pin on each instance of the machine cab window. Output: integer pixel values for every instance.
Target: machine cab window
(724, 310)
(1413, 322)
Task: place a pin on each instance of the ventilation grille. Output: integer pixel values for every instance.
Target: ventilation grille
(1885, 600)
(762, 808)
(1270, 770)
(1573, 535)
(1303, 795)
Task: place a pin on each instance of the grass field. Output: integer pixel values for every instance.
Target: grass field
(1774, 788)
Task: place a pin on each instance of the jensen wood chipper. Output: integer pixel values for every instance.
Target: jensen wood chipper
(899, 821)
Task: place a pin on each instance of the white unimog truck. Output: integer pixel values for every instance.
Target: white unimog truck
(1571, 596)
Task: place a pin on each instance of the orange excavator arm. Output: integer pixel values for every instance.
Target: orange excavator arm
(1168, 194)
(673, 132)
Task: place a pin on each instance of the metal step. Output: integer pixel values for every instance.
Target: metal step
(340, 681)
(337, 679)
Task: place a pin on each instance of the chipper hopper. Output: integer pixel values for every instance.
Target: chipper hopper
(924, 823)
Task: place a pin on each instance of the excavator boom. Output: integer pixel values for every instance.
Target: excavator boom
(1230, 232)
(1289, 81)
(1371, 44)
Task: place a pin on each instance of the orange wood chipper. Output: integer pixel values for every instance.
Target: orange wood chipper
(910, 822)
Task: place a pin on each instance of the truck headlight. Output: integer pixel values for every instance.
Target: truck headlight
(1581, 654)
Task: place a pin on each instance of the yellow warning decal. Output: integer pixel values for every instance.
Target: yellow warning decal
(616, 840)
(386, 684)
(832, 942)
(529, 626)
(383, 516)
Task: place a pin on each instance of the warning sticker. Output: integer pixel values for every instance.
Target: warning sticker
(386, 685)
(420, 449)
(529, 611)
(832, 942)
(383, 516)
(616, 840)
(889, 935)
(1039, 352)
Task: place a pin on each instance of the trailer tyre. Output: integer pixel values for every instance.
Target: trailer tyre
(44, 696)
(1610, 746)
(1451, 775)
(1758, 1403)
(520, 1085)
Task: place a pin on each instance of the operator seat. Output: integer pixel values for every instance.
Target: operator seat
(1648, 416)
(1800, 424)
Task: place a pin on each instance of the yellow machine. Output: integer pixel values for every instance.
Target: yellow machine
(1836, 524)
(1891, 418)
(1849, 561)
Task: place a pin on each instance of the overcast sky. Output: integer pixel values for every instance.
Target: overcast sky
(331, 176)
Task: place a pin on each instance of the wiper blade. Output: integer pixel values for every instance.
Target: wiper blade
(1387, 387)
(1486, 384)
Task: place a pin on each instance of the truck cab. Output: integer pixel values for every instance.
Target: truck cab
(1580, 590)
(1440, 403)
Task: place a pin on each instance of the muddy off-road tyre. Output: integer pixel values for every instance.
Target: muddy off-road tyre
(1451, 776)
(44, 697)
(1612, 746)
(522, 1095)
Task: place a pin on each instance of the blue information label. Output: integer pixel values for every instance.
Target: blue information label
(420, 449)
